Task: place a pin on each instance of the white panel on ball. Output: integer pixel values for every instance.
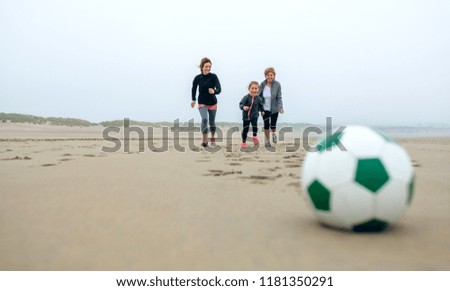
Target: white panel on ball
(353, 204)
(309, 169)
(330, 219)
(362, 142)
(392, 201)
(336, 167)
(397, 163)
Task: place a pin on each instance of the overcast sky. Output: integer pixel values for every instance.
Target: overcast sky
(380, 62)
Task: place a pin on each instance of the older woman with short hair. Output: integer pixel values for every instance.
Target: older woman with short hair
(270, 93)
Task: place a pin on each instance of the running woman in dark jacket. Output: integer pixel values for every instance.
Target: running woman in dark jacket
(208, 86)
(251, 106)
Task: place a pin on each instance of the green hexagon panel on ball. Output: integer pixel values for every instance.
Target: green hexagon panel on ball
(320, 196)
(370, 173)
(366, 187)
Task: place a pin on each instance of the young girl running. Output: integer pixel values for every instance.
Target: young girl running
(251, 105)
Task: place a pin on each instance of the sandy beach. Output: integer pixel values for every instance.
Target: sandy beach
(68, 205)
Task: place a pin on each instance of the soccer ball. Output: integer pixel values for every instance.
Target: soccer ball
(358, 179)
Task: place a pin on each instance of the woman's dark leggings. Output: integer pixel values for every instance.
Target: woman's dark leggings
(204, 112)
(254, 122)
(270, 120)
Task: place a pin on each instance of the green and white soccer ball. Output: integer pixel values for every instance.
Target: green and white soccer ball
(363, 188)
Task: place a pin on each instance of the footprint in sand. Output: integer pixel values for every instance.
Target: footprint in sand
(232, 155)
(158, 150)
(296, 156)
(222, 173)
(48, 165)
(262, 177)
(271, 170)
(17, 158)
(292, 166)
(294, 176)
(249, 159)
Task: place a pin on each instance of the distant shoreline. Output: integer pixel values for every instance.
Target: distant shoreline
(77, 122)
(25, 131)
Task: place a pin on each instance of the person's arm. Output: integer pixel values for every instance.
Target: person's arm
(260, 104)
(194, 91)
(217, 88)
(279, 99)
(194, 88)
(242, 103)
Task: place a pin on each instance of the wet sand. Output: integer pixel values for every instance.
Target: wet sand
(67, 205)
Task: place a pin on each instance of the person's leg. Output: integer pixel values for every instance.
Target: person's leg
(266, 119)
(254, 122)
(273, 126)
(246, 125)
(212, 125)
(204, 126)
